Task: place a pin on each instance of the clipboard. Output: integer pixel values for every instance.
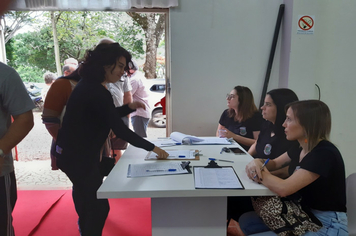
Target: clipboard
(214, 176)
(175, 155)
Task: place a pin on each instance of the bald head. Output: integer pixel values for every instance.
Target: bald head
(106, 41)
(68, 69)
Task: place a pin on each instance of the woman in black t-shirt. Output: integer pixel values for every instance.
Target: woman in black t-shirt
(241, 121)
(272, 141)
(316, 170)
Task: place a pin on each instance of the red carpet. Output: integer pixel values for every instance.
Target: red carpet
(43, 213)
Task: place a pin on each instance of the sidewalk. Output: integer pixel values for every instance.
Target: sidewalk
(33, 170)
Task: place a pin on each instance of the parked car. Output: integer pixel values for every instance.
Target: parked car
(34, 92)
(157, 91)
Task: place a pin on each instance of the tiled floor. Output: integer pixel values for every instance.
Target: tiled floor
(234, 229)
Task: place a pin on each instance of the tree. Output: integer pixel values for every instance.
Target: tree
(154, 26)
(16, 20)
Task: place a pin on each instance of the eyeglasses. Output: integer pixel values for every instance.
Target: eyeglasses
(230, 96)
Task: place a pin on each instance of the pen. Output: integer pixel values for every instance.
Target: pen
(264, 164)
(159, 170)
(213, 159)
(171, 144)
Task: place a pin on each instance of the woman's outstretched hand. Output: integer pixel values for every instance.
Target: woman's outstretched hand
(135, 105)
(161, 154)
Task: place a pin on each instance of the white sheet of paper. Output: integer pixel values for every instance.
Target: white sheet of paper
(155, 168)
(211, 141)
(224, 178)
(173, 154)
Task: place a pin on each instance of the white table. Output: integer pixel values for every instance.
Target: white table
(177, 207)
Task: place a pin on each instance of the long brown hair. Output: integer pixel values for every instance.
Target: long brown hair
(314, 116)
(246, 107)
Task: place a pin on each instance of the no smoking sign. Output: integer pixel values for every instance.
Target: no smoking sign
(305, 24)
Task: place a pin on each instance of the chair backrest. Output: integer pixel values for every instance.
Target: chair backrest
(351, 203)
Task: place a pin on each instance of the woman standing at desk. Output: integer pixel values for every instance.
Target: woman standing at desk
(90, 114)
(316, 170)
(241, 121)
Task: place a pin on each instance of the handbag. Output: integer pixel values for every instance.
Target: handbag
(285, 215)
(118, 144)
(106, 165)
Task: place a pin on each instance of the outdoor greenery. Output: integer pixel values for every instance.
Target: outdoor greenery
(33, 53)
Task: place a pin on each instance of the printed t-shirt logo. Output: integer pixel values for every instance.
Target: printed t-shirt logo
(243, 131)
(268, 149)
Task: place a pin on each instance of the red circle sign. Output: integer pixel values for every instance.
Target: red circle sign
(306, 23)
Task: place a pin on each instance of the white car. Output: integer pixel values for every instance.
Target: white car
(157, 90)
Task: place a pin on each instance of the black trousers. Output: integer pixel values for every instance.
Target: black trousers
(236, 206)
(86, 181)
(8, 197)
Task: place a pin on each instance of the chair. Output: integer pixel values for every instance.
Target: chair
(351, 203)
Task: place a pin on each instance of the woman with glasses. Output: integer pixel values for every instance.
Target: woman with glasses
(241, 121)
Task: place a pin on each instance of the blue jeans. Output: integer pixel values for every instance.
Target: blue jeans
(334, 223)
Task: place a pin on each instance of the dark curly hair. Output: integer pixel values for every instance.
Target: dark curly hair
(92, 68)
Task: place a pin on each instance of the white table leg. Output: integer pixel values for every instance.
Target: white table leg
(190, 216)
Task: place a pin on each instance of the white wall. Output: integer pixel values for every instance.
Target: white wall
(216, 45)
(328, 58)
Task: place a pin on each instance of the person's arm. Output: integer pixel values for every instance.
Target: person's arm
(255, 135)
(252, 150)
(56, 100)
(127, 97)
(219, 127)
(240, 139)
(276, 166)
(123, 132)
(285, 187)
(18, 129)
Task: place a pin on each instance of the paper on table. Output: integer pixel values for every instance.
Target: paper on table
(156, 168)
(180, 137)
(224, 178)
(174, 154)
(212, 140)
(189, 139)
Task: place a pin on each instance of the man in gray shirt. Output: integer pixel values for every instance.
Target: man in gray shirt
(15, 103)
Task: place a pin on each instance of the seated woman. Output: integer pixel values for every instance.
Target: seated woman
(271, 142)
(316, 171)
(241, 121)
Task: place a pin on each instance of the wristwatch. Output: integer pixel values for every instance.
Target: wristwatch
(2, 154)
